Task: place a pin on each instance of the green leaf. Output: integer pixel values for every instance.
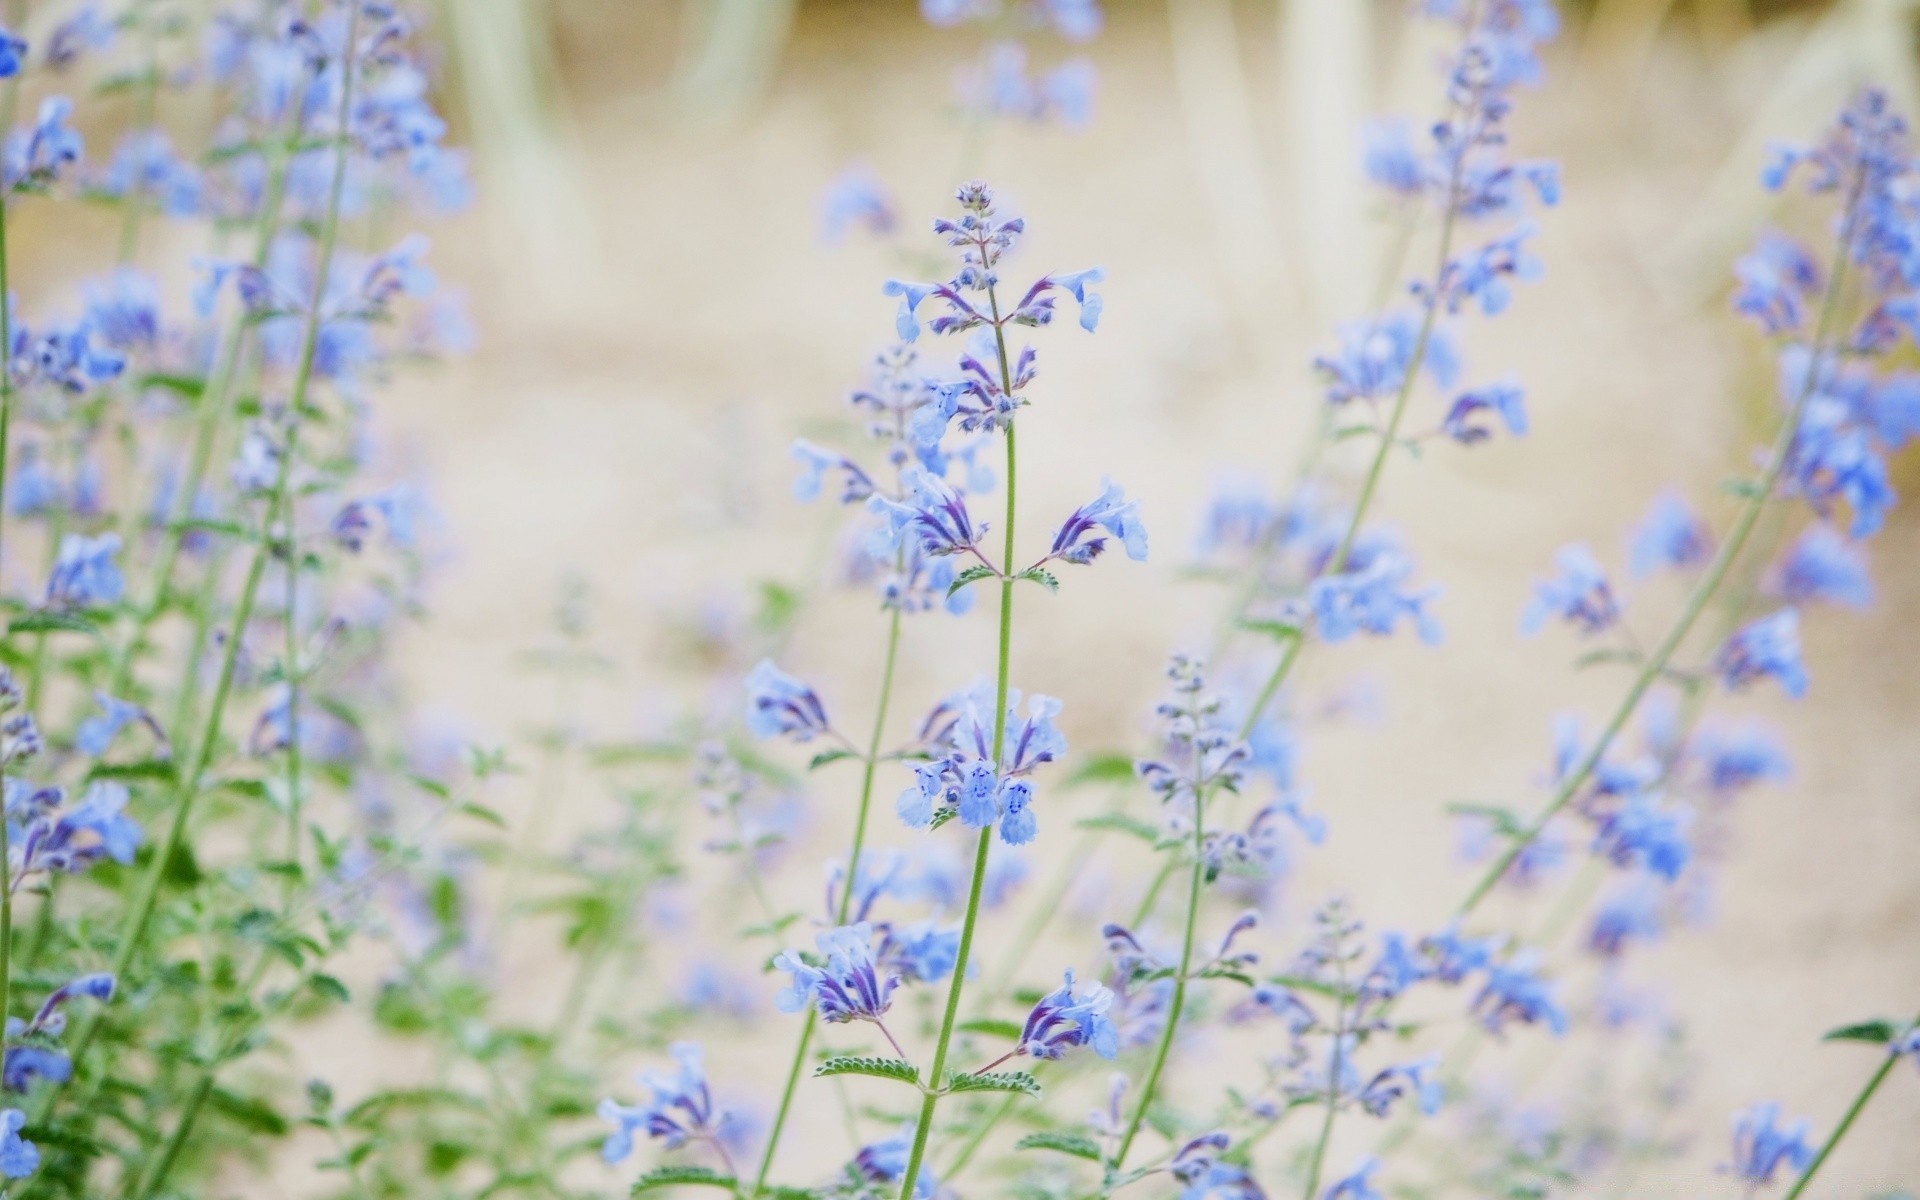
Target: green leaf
(772, 928)
(992, 1028)
(253, 1114)
(1744, 489)
(331, 988)
(829, 756)
(1044, 578)
(192, 387)
(1864, 1031)
(152, 768)
(687, 1176)
(51, 622)
(1065, 1143)
(972, 574)
(1505, 821)
(996, 1081)
(897, 1069)
(1352, 431)
(1279, 631)
(481, 812)
(1112, 767)
(1594, 658)
(941, 817)
(1121, 823)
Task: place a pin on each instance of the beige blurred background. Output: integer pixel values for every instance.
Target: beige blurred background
(659, 318)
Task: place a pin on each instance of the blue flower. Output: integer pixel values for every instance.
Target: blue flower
(932, 513)
(1503, 399)
(1079, 284)
(1017, 823)
(1739, 758)
(920, 953)
(780, 705)
(1113, 512)
(849, 986)
(26, 1064)
(19, 1158)
(930, 790)
(978, 804)
(912, 296)
(1777, 279)
(1416, 1079)
(1370, 596)
(885, 1161)
(96, 733)
(1074, 20)
(1579, 594)
(855, 198)
(84, 30)
(1832, 457)
(680, 1111)
(1632, 912)
(101, 814)
(816, 462)
(1823, 566)
(1641, 833)
(84, 574)
(1064, 1021)
(1202, 1176)
(1374, 357)
(1391, 159)
(13, 53)
(37, 156)
(1769, 646)
(1357, 1185)
(1668, 536)
(1761, 1145)
(1515, 991)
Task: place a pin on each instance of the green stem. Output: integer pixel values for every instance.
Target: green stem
(1846, 1123)
(924, 1125)
(133, 933)
(1703, 593)
(1318, 1162)
(1151, 1081)
(292, 669)
(214, 409)
(846, 895)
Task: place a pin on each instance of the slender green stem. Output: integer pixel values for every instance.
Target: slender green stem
(214, 409)
(1151, 1082)
(846, 896)
(139, 918)
(293, 681)
(1319, 1159)
(1703, 593)
(1846, 1123)
(924, 1125)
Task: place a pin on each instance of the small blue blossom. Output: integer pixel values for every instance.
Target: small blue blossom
(1669, 536)
(1641, 833)
(885, 1162)
(97, 732)
(933, 514)
(1767, 647)
(849, 986)
(1357, 1185)
(1113, 512)
(979, 797)
(1631, 913)
(1821, 566)
(1375, 355)
(19, 1158)
(1833, 458)
(1761, 1145)
(1196, 1166)
(1371, 596)
(855, 199)
(680, 1111)
(1515, 991)
(1063, 1021)
(1017, 823)
(39, 155)
(1391, 160)
(778, 705)
(1079, 285)
(84, 574)
(920, 953)
(1417, 1079)
(1502, 399)
(816, 462)
(1735, 759)
(1777, 279)
(13, 53)
(1579, 595)
(81, 31)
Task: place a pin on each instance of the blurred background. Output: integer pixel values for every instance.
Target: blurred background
(660, 312)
